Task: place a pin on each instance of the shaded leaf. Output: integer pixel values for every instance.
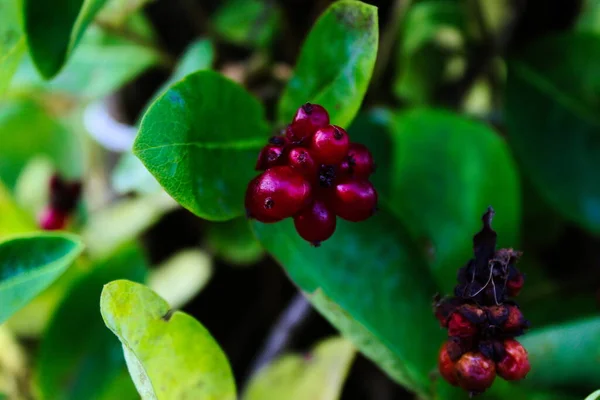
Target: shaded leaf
(12, 41)
(234, 242)
(318, 375)
(335, 64)
(247, 22)
(29, 264)
(202, 156)
(79, 360)
(169, 354)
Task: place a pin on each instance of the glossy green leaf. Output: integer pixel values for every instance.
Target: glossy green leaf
(77, 360)
(371, 283)
(318, 375)
(446, 171)
(181, 277)
(169, 354)
(553, 126)
(234, 242)
(247, 22)
(335, 64)
(26, 131)
(29, 264)
(54, 28)
(12, 41)
(201, 155)
(565, 356)
(594, 396)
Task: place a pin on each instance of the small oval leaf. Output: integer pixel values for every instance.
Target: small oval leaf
(169, 354)
(29, 264)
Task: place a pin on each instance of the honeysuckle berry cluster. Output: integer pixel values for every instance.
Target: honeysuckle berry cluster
(64, 197)
(482, 320)
(313, 174)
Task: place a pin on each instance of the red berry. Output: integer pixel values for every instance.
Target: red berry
(459, 326)
(270, 156)
(316, 223)
(277, 193)
(515, 364)
(354, 200)
(475, 372)
(515, 322)
(307, 120)
(514, 285)
(52, 219)
(361, 161)
(446, 366)
(301, 160)
(330, 144)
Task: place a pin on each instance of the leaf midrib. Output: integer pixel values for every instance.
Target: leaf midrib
(249, 144)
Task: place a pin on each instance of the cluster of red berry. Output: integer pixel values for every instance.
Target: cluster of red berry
(64, 197)
(312, 173)
(481, 320)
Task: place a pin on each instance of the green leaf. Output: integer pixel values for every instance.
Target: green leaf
(371, 283)
(12, 219)
(117, 12)
(589, 19)
(26, 131)
(234, 242)
(247, 22)
(551, 106)
(169, 354)
(54, 28)
(594, 396)
(318, 375)
(77, 360)
(12, 41)
(29, 264)
(130, 175)
(200, 140)
(335, 63)
(565, 356)
(445, 172)
(181, 277)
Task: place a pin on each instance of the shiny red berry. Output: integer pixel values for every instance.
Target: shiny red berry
(53, 219)
(354, 200)
(514, 285)
(301, 160)
(307, 120)
(515, 364)
(361, 161)
(329, 145)
(316, 223)
(475, 372)
(446, 366)
(270, 156)
(460, 326)
(277, 193)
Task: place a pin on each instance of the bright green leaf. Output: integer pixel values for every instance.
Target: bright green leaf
(130, 175)
(565, 356)
(247, 22)
(181, 277)
(445, 172)
(29, 264)
(29, 194)
(318, 375)
(12, 41)
(371, 283)
(54, 28)
(12, 219)
(201, 155)
(169, 354)
(27, 131)
(553, 124)
(335, 63)
(79, 360)
(234, 242)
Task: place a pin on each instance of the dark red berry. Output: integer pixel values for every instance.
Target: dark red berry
(354, 200)
(515, 364)
(52, 219)
(270, 156)
(460, 326)
(301, 160)
(514, 285)
(278, 140)
(515, 322)
(64, 195)
(361, 161)
(277, 193)
(446, 366)
(316, 223)
(330, 144)
(475, 372)
(307, 120)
